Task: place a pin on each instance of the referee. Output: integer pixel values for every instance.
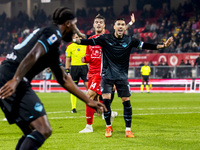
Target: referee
(145, 72)
(78, 70)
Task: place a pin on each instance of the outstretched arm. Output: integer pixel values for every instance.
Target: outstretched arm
(66, 82)
(165, 44)
(150, 46)
(9, 88)
(79, 32)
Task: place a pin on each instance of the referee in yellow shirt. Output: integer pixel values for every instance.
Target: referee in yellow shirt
(78, 70)
(145, 72)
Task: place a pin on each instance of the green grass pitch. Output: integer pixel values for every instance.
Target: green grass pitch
(161, 121)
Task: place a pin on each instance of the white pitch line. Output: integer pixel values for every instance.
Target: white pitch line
(172, 108)
(145, 114)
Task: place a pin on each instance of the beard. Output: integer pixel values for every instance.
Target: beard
(67, 36)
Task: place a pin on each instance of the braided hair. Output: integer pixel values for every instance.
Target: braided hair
(61, 15)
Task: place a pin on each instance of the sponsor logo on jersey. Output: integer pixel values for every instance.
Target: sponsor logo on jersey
(52, 39)
(124, 44)
(38, 107)
(11, 56)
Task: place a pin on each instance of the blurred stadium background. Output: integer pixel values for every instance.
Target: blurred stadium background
(173, 69)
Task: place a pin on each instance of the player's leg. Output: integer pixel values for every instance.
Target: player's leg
(106, 90)
(147, 83)
(41, 130)
(83, 75)
(123, 90)
(142, 85)
(92, 93)
(75, 77)
(31, 113)
(26, 130)
(89, 113)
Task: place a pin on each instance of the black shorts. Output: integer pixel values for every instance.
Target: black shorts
(23, 105)
(145, 78)
(78, 72)
(122, 86)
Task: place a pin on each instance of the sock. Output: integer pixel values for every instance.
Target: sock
(32, 141)
(89, 115)
(142, 87)
(127, 113)
(100, 99)
(107, 114)
(128, 129)
(147, 88)
(73, 101)
(20, 142)
(112, 96)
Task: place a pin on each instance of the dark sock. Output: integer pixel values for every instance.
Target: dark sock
(127, 113)
(32, 141)
(20, 142)
(107, 114)
(112, 96)
(100, 99)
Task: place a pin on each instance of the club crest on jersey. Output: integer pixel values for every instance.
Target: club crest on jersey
(124, 44)
(52, 39)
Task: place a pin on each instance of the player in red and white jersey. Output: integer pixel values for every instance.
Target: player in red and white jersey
(94, 58)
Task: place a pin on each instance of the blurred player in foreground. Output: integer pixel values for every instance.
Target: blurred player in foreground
(145, 75)
(74, 53)
(38, 51)
(116, 49)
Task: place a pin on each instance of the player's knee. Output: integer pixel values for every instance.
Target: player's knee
(125, 99)
(106, 96)
(46, 131)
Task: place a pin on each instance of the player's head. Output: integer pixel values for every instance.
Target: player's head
(66, 20)
(146, 63)
(99, 24)
(120, 27)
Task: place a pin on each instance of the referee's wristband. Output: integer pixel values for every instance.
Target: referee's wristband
(67, 71)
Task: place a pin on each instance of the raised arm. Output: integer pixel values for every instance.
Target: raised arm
(131, 22)
(9, 88)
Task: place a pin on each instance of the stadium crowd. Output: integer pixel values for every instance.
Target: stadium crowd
(152, 25)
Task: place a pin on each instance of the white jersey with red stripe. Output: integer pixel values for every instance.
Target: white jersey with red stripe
(93, 57)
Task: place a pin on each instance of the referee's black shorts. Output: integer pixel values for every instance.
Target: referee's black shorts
(145, 78)
(78, 72)
(122, 86)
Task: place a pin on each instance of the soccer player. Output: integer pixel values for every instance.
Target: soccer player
(116, 49)
(74, 53)
(93, 57)
(38, 51)
(145, 73)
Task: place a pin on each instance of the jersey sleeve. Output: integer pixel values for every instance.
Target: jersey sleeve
(68, 51)
(50, 39)
(88, 54)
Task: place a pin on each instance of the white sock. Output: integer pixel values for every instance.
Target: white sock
(128, 129)
(88, 125)
(108, 125)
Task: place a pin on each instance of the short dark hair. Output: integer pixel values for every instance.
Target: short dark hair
(119, 19)
(100, 17)
(62, 14)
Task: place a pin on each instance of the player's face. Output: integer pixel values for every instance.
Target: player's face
(99, 25)
(69, 29)
(120, 27)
